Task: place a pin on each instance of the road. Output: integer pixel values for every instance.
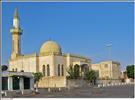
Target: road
(124, 91)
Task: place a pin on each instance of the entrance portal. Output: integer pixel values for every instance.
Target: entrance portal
(26, 83)
(84, 69)
(16, 85)
(4, 83)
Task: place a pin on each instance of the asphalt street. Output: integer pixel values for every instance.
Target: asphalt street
(123, 91)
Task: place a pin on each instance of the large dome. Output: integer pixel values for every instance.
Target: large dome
(50, 47)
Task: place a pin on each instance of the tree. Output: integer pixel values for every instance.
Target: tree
(130, 71)
(74, 71)
(4, 67)
(37, 77)
(71, 72)
(91, 76)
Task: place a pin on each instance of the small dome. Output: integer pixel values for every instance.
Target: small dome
(50, 47)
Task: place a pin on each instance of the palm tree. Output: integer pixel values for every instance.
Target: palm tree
(74, 71)
(37, 77)
(91, 76)
(71, 72)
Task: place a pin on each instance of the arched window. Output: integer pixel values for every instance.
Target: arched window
(62, 70)
(48, 70)
(43, 70)
(13, 69)
(58, 69)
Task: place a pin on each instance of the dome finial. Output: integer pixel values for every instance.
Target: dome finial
(16, 15)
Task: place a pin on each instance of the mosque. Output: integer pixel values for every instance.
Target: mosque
(50, 60)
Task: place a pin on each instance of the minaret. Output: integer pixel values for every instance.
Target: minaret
(16, 36)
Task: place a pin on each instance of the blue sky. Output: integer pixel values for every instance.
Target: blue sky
(80, 28)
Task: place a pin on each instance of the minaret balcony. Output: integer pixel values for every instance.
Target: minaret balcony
(16, 31)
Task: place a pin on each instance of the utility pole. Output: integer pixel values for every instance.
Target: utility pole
(109, 47)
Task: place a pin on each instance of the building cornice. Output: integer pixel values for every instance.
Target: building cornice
(77, 56)
(24, 56)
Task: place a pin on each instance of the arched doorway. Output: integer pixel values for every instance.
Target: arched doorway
(84, 69)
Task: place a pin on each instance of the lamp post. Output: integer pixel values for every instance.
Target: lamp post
(109, 47)
(22, 64)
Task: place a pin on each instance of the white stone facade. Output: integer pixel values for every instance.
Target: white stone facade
(35, 63)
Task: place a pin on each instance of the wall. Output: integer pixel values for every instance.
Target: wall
(53, 81)
(61, 81)
(28, 64)
(62, 61)
(105, 69)
(108, 81)
(112, 71)
(45, 60)
(116, 71)
(76, 83)
(53, 61)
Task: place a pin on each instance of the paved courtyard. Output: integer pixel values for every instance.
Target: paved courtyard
(123, 91)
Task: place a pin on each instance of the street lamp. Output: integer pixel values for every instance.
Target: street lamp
(109, 47)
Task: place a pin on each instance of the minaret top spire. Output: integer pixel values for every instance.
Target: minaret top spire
(16, 15)
(16, 29)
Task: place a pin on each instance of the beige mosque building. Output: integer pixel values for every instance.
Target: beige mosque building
(51, 61)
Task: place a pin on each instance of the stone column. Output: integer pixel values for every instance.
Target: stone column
(52, 66)
(60, 70)
(67, 63)
(10, 83)
(21, 84)
(32, 84)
